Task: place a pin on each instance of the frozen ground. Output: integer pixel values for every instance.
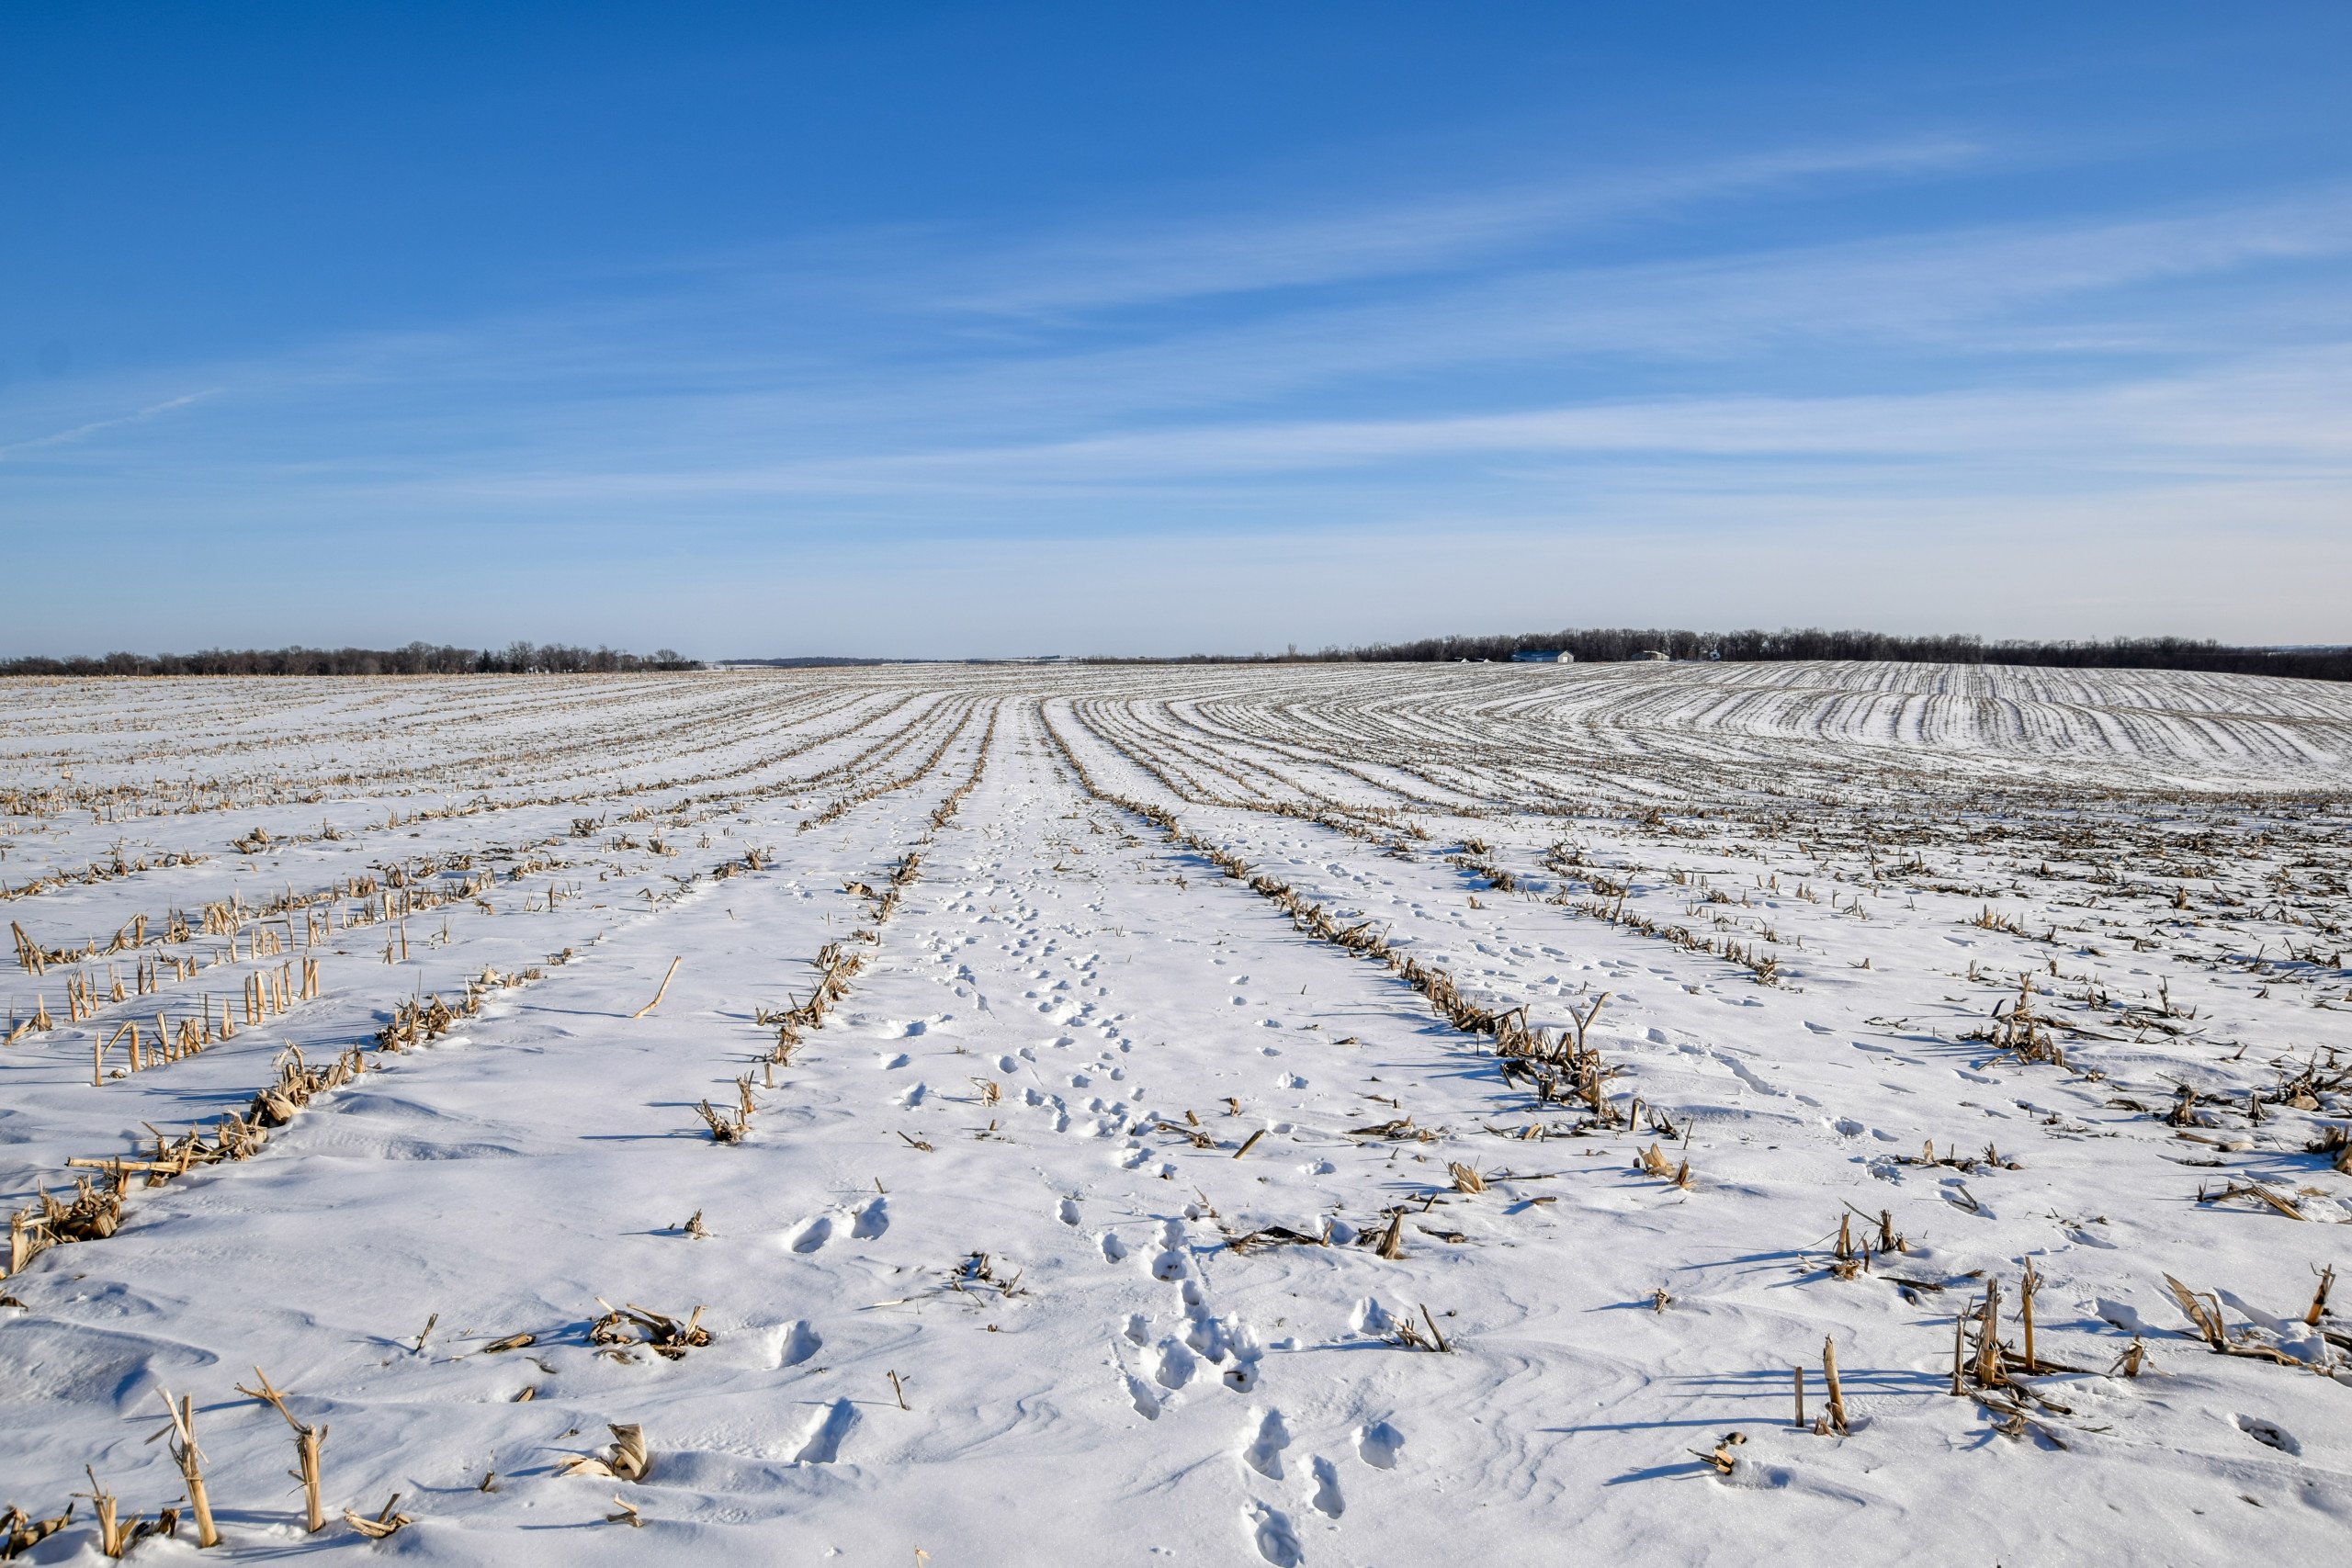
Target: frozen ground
(1060, 1238)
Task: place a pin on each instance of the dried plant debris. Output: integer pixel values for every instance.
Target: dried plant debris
(385, 1523)
(669, 1338)
(625, 1460)
(1232, 977)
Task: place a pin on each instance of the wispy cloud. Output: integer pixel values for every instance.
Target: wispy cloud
(1043, 383)
(92, 427)
(2054, 289)
(1206, 255)
(2286, 417)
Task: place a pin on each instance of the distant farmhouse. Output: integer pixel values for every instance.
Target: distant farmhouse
(1541, 656)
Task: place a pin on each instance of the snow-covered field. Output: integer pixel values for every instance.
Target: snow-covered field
(1468, 1179)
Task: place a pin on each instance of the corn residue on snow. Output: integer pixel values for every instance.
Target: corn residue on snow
(1352, 1114)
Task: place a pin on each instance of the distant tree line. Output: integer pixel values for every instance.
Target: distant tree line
(1605, 645)
(416, 659)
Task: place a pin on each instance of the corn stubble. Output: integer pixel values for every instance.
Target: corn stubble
(1547, 1050)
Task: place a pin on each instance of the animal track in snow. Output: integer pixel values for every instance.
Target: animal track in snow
(872, 1219)
(823, 1443)
(1378, 1444)
(1205, 1334)
(1173, 1367)
(1264, 1452)
(1327, 1500)
(810, 1234)
(1066, 1211)
(795, 1343)
(2269, 1434)
(1242, 1376)
(1271, 1533)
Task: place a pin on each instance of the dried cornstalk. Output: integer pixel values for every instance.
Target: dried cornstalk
(2210, 1326)
(667, 1336)
(664, 991)
(2026, 1287)
(190, 1459)
(1829, 1376)
(626, 1460)
(385, 1523)
(1988, 1338)
(308, 1443)
(104, 1504)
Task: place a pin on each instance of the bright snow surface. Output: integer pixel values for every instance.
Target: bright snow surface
(1095, 1148)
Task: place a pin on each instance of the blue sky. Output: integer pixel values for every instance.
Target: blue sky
(933, 329)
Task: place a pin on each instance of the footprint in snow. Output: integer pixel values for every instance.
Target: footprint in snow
(795, 1344)
(1264, 1450)
(1066, 1211)
(1327, 1500)
(1175, 1365)
(2269, 1434)
(1378, 1444)
(823, 1443)
(871, 1220)
(810, 1234)
(1271, 1533)
(1114, 1249)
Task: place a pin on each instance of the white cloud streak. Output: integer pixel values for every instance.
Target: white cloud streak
(92, 427)
(1158, 264)
(1424, 374)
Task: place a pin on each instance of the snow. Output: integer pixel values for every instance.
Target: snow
(1057, 1241)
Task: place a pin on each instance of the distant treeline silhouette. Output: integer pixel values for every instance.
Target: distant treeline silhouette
(1604, 644)
(1597, 645)
(416, 659)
